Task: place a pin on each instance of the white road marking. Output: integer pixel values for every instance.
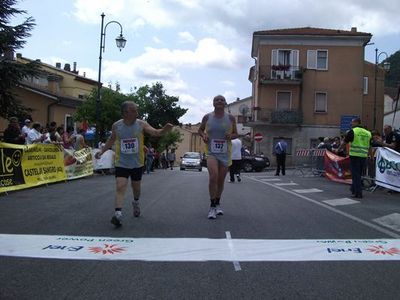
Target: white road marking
(197, 249)
(341, 201)
(285, 183)
(270, 179)
(391, 221)
(236, 264)
(307, 191)
(361, 221)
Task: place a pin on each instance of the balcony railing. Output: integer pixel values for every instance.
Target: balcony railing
(280, 72)
(279, 116)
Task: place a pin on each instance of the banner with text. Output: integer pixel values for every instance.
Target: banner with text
(197, 249)
(337, 168)
(387, 172)
(23, 166)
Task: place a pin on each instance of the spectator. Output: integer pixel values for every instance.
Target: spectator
(149, 158)
(68, 138)
(34, 135)
(280, 151)
(171, 156)
(391, 138)
(59, 133)
(13, 133)
(164, 162)
(79, 140)
(234, 168)
(26, 128)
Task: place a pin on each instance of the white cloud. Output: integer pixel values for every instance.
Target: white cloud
(186, 37)
(217, 37)
(157, 40)
(228, 82)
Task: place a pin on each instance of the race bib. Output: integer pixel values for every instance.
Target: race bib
(219, 146)
(129, 146)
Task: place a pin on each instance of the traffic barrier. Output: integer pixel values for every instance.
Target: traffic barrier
(309, 161)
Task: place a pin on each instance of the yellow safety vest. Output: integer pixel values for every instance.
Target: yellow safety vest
(360, 145)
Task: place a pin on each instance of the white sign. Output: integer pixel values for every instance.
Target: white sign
(387, 168)
(106, 161)
(196, 249)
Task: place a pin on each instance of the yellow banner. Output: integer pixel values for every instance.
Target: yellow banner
(23, 166)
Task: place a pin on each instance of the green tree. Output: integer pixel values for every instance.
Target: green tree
(169, 140)
(11, 72)
(110, 109)
(156, 107)
(393, 77)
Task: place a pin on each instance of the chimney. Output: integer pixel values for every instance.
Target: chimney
(74, 70)
(353, 29)
(58, 65)
(67, 67)
(84, 74)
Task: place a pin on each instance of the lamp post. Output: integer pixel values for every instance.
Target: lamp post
(121, 41)
(386, 67)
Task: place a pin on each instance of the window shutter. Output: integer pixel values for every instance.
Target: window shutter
(365, 85)
(294, 58)
(311, 59)
(274, 57)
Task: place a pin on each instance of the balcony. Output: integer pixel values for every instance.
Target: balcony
(280, 74)
(277, 116)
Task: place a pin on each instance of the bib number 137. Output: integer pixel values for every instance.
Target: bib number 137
(219, 146)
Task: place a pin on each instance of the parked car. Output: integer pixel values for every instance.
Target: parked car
(191, 160)
(256, 163)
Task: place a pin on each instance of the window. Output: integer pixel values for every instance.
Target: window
(284, 62)
(321, 102)
(288, 142)
(322, 60)
(283, 100)
(317, 59)
(365, 86)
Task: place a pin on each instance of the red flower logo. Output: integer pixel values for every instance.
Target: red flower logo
(107, 249)
(380, 250)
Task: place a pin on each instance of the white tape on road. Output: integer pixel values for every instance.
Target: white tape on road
(197, 249)
(236, 264)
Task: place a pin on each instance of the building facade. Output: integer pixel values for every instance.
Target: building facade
(309, 83)
(54, 95)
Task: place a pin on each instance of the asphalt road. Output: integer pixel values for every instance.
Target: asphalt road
(174, 204)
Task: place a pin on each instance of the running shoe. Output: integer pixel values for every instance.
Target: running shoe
(238, 178)
(116, 221)
(136, 209)
(212, 213)
(219, 210)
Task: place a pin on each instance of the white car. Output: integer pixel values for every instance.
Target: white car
(191, 160)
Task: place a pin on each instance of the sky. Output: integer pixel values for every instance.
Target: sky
(196, 48)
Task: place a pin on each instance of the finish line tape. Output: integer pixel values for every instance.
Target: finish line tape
(196, 249)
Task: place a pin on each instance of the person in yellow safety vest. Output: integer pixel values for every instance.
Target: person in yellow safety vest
(360, 140)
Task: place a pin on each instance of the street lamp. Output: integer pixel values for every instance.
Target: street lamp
(386, 67)
(121, 41)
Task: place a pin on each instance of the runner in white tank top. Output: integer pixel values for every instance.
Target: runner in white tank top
(217, 129)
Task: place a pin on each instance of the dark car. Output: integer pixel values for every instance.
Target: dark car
(256, 163)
